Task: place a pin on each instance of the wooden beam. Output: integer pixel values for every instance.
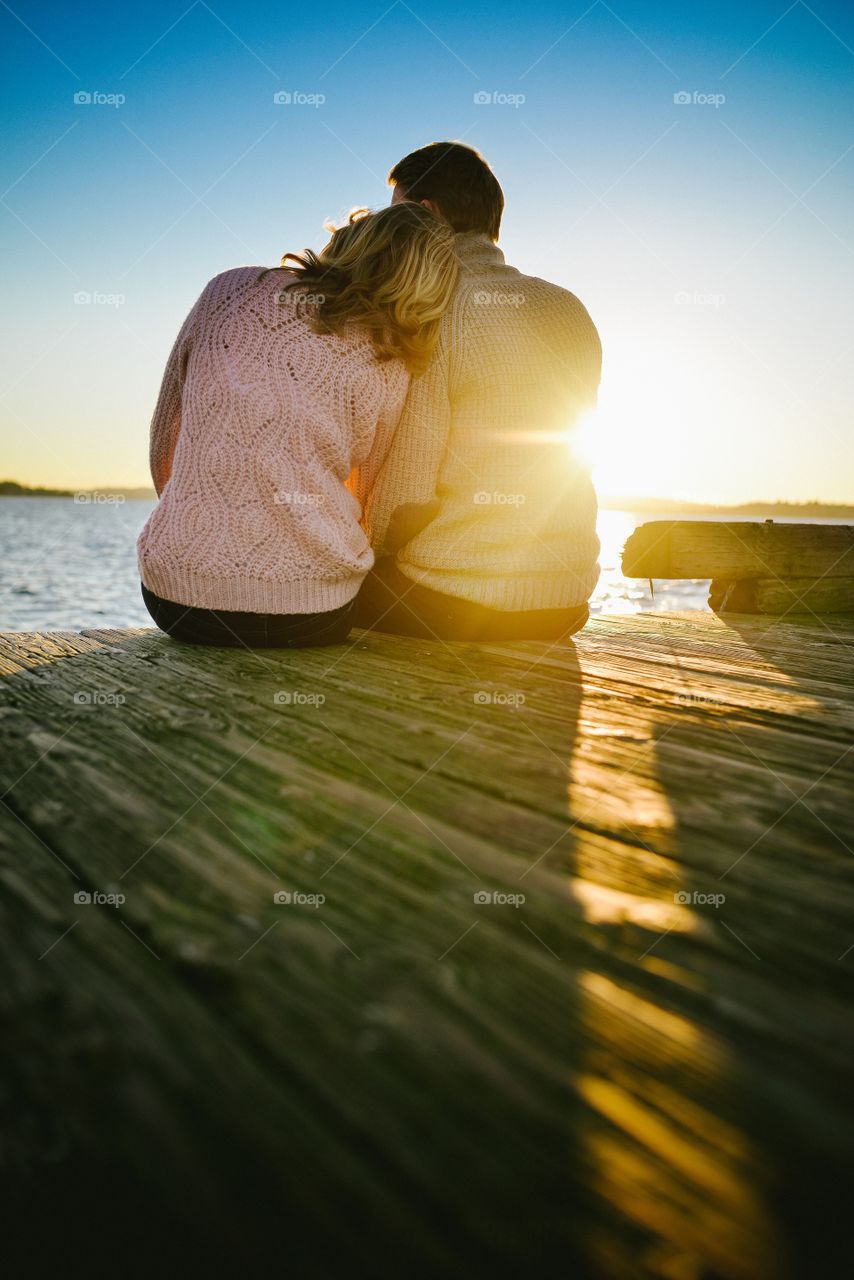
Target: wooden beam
(771, 595)
(734, 550)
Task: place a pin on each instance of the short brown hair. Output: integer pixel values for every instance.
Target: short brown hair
(460, 182)
(393, 271)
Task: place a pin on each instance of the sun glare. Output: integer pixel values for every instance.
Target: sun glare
(636, 441)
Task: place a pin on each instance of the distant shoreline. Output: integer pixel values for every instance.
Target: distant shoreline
(11, 489)
(675, 507)
(645, 506)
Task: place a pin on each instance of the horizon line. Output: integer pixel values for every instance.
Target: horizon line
(606, 500)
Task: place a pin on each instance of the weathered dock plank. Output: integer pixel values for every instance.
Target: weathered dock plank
(735, 549)
(815, 596)
(642, 1068)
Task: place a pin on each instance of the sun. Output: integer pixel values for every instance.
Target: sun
(644, 440)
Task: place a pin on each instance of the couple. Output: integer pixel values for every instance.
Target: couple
(378, 435)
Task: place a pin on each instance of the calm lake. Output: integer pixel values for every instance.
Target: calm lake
(68, 565)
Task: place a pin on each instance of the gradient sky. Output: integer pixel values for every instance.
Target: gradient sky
(709, 242)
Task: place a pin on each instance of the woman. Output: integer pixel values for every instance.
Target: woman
(279, 383)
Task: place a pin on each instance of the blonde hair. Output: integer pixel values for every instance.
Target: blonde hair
(393, 271)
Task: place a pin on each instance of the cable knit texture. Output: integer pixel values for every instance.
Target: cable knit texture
(258, 425)
(485, 430)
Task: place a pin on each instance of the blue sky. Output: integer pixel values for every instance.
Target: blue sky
(708, 237)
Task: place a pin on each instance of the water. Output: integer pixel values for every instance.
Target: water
(70, 565)
(67, 565)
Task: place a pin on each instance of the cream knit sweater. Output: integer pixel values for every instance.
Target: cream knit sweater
(258, 425)
(485, 431)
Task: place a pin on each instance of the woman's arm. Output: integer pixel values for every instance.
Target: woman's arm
(166, 422)
(364, 475)
(409, 475)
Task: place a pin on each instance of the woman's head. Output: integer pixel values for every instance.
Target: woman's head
(393, 271)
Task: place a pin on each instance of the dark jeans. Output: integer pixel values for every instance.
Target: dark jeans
(389, 601)
(234, 630)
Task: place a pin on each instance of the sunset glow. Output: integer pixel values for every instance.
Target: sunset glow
(687, 175)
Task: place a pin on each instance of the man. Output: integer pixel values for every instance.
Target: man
(482, 460)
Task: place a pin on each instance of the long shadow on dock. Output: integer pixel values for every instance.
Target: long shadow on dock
(765, 868)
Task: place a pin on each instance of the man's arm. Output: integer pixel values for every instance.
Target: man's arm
(409, 475)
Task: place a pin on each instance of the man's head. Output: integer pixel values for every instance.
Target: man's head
(455, 182)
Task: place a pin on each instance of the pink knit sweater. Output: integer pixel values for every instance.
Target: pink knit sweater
(258, 425)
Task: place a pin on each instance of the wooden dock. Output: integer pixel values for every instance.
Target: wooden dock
(432, 959)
